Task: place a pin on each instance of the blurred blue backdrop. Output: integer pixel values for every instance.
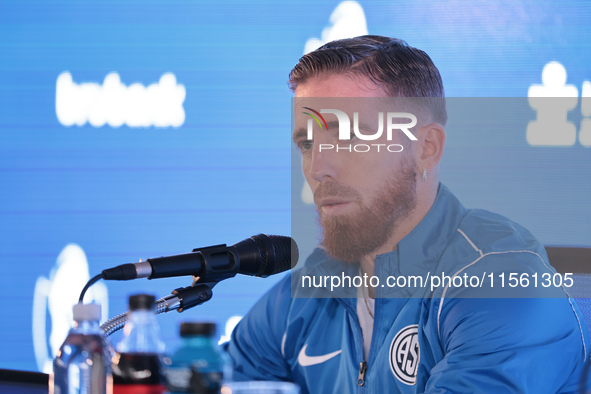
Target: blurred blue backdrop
(223, 172)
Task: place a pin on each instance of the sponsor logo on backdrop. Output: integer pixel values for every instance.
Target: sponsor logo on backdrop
(231, 323)
(56, 296)
(551, 127)
(115, 104)
(347, 21)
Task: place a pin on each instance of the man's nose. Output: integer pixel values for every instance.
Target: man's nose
(324, 162)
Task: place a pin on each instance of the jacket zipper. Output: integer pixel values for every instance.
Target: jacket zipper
(362, 370)
(363, 364)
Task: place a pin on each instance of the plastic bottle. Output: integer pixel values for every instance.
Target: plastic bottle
(138, 367)
(198, 366)
(83, 362)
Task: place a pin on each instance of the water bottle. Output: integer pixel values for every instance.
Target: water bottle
(83, 362)
(198, 366)
(138, 367)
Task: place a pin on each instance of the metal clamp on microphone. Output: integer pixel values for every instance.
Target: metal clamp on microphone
(193, 295)
(181, 299)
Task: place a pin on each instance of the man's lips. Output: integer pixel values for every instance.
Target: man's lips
(333, 205)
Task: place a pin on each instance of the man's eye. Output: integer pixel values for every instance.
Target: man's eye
(305, 144)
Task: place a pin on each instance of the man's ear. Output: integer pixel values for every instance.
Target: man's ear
(432, 143)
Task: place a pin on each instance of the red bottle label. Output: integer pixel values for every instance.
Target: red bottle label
(138, 389)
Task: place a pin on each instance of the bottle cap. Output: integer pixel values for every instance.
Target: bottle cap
(197, 328)
(87, 312)
(141, 301)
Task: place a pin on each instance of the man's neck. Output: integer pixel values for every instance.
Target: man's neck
(401, 230)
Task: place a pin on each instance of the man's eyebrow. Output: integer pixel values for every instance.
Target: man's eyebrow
(303, 132)
(299, 133)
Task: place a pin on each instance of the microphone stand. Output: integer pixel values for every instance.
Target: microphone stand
(180, 299)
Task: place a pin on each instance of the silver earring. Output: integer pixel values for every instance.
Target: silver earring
(424, 174)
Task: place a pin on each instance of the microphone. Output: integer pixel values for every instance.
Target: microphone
(260, 255)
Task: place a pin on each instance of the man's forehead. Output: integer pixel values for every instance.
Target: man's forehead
(364, 112)
(346, 104)
(339, 85)
(365, 108)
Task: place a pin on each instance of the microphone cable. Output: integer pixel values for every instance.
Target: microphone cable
(88, 284)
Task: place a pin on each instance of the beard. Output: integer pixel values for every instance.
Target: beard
(350, 237)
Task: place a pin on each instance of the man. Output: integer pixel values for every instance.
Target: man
(385, 214)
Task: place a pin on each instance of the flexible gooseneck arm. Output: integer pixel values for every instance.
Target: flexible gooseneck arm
(181, 299)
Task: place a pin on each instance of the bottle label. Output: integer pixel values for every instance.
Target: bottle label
(138, 369)
(138, 389)
(205, 382)
(179, 379)
(189, 380)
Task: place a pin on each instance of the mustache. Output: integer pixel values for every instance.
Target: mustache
(334, 189)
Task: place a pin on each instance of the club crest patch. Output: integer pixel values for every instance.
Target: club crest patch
(405, 354)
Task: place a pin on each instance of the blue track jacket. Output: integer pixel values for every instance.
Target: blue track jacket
(441, 340)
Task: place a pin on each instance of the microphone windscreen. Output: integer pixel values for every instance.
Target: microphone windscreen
(278, 253)
(286, 253)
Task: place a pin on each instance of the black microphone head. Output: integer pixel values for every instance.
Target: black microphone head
(270, 254)
(284, 253)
